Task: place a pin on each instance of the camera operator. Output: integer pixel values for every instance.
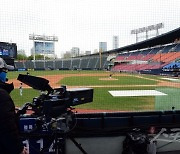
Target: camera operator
(10, 142)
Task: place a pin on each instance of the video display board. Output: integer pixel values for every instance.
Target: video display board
(8, 50)
(44, 47)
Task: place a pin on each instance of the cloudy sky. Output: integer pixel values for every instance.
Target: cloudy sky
(83, 23)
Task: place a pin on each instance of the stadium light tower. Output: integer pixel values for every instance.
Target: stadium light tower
(43, 44)
(43, 39)
(147, 29)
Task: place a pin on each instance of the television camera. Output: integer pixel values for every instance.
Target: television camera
(51, 115)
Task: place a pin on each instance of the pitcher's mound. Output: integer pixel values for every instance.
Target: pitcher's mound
(108, 79)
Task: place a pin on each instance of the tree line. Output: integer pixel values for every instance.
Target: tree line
(31, 57)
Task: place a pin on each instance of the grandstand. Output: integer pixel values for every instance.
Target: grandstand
(149, 56)
(149, 59)
(83, 63)
(155, 56)
(123, 100)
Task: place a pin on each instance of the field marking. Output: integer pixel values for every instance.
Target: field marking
(171, 79)
(108, 79)
(116, 93)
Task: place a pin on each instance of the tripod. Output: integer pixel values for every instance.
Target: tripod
(78, 145)
(58, 146)
(59, 135)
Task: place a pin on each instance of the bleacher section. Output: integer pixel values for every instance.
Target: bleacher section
(19, 65)
(104, 62)
(29, 64)
(75, 64)
(67, 64)
(84, 63)
(58, 64)
(172, 65)
(40, 65)
(49, 64)
(92, 63)
(147, 59)
(135, 61)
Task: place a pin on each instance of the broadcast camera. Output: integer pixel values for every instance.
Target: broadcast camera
(52, 112)
(53, 103)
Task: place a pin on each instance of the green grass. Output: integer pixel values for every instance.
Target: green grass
(28, 95)
(172, 99)
(156, 77)
(14, 74)
(94, 80)
(102, 100)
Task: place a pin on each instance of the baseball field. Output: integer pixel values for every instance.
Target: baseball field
(112, 91)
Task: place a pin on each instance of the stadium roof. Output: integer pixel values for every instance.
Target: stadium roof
(166, 38)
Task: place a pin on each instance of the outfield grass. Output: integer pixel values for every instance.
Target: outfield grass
(28, 95)
(14, 74)
(168, 101)
(102, 100)
(94, 80)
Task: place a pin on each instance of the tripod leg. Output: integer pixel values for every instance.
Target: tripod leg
(59, 146)
(78, 145)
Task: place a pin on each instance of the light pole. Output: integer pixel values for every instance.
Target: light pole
(44, 53)
(100, 59)
(160, 59)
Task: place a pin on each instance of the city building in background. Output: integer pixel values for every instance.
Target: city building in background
(102, 46)
(115, 42)
(67, 54)
(75, 51)
(95, 51)
(87, 52)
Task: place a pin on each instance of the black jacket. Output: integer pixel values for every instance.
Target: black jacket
(10, 142)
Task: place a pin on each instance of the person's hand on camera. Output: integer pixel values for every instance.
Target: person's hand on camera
(25, 151)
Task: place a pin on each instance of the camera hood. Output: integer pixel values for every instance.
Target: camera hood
(37, 83)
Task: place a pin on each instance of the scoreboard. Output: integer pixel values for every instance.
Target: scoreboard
(8, 50)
